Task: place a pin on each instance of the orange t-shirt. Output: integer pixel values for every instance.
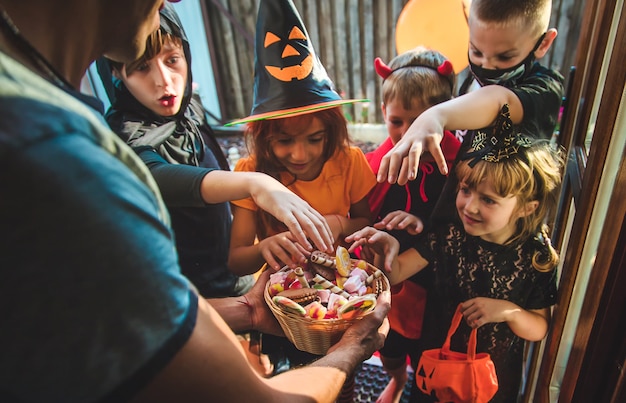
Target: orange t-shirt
(346, 178)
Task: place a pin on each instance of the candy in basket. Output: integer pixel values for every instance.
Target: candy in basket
(316, 303)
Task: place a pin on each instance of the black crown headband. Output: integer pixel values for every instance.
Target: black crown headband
(502, 143)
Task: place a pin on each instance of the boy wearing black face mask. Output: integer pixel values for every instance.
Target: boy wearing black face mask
(501, 32)
(506, 39)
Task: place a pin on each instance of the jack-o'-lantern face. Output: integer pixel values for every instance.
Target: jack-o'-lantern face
(294, 65)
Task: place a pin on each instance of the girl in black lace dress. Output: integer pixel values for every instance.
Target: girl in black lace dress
(495, 257)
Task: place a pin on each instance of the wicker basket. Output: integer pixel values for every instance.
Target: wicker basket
(315, 336)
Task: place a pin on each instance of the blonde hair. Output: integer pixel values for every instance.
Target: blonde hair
(535, 176)
(415, 77)
(529, 14)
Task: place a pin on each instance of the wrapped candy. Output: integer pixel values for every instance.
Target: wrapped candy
(335, 301)
(315, 310)
(288, 305)
(352, 284)
(357, 307)
(275, 288)
(324, 295)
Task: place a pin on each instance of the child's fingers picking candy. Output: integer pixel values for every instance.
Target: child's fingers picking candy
(360, 235)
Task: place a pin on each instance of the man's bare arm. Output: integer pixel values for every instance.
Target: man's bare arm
(212, 365)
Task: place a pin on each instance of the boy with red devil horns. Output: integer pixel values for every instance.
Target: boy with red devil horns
(412, 82)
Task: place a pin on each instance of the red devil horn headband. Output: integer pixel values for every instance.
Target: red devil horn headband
(381, 68)
(444, 69)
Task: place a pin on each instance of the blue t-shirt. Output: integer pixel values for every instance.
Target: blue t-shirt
(92, 301)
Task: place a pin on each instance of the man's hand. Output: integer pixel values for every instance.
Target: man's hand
(364, 337)
(261, 316)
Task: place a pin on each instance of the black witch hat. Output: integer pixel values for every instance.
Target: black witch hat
(289, 79)
(499, 142)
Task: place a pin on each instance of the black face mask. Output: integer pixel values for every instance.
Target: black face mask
(506, 77)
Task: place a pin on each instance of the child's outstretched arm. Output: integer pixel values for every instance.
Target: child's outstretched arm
(473, 110)
(385, 247)
(190, 186)
(272, 196)
(530, 324)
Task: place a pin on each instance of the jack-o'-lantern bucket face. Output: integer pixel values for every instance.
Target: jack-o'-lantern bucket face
(293, 60)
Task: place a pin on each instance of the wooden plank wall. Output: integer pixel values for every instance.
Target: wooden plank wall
(566, 18)
(347, 36)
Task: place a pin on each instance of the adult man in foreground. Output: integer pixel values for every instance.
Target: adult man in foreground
(93, 304)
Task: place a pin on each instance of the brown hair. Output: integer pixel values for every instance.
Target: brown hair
(536, 179)
(260, 134)
(529, 14)
(415, 77)
(154, 45)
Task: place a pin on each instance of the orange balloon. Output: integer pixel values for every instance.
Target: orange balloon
(437, 24)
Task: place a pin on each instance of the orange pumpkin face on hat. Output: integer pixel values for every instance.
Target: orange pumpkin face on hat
(289, 79)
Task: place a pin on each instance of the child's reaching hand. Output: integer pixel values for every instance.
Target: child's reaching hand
(401, 220)
(302, 220)
(424, 135)
(282, 249)
(381, 243)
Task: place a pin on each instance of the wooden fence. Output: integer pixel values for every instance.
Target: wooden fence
(347, 36)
